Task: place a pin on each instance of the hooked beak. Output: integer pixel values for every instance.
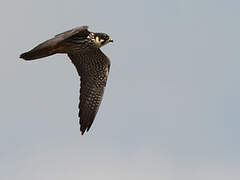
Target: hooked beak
(110, 40)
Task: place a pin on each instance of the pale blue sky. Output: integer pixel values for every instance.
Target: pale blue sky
(170, 109)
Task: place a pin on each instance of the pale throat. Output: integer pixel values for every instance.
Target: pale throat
(98, 42)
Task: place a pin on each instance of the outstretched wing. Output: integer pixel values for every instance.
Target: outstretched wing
(93, 68)
(53, 45)
(82, 30)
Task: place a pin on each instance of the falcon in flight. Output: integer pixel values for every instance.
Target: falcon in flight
(83, 48)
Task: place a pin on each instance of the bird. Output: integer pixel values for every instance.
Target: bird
(92, 65)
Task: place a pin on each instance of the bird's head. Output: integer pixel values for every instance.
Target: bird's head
(101, 39)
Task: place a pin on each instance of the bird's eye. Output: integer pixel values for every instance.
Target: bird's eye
(104, 36)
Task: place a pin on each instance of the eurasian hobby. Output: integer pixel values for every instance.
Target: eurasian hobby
(83, 48)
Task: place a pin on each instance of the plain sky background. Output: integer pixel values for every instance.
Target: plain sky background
(170, 109)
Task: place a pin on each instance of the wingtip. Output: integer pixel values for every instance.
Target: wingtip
(25, 56)
(82, 130)
(22, 56)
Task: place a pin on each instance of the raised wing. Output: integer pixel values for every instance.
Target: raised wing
(53, 45)
(93, 68)
(83, 30)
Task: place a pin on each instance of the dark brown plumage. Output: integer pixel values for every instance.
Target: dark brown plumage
(83, 48)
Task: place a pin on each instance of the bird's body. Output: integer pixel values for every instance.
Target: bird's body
(83, 48)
